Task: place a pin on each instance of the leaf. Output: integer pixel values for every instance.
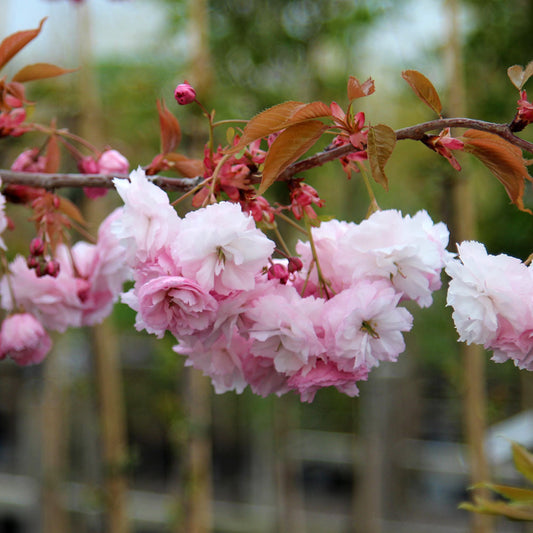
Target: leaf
(279, 117)
(424, 89)
(518, 75)
(70, 209)
(516, 494)
(53, 155)
(39, 71)
(381, 142)
(169, 128)
(523, 460)
(512, 511)
(287, 148)
(15, 42)
(503, 159)
(358, 90)
(189, 168)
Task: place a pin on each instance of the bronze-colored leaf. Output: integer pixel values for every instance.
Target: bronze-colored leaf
(518, 75)
(189, 168)
(15, 42)
(291, 143)
(53, 155)
(381, 142)
(503, 159)
(71, 210)
(308, 112)
(523, 460)
(39, 71)
(169, 127)
(269, 121)
(358, 90)
(424, 89)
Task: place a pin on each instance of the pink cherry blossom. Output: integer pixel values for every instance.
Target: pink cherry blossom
(112, 162)
(492, 300)
(222, 361)
(184, 94)
(148, 222)
(283, 329)
(220, 247)
(23, 339)
(175, 304)
(326, 374)
(363, 325)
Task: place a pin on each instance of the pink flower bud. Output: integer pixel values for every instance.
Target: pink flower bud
(88, 165)
(278, 271)
(23, 339)
(295, 264)
(37, 246)
(29, 161)
(52, 268)
(32, 262)
(184, 94)
(113, 162)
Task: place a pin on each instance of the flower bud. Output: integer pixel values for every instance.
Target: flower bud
(37, 246)
(52, 268)
(184, 94)
(278, 271)
(295, 264)
(113, 162)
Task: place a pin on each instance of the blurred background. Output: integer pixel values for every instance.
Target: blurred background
(114, 434)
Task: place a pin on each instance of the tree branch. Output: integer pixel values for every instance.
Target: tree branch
(415, 133)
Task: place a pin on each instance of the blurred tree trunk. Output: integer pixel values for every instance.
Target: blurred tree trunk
(197, 494)
(54, 419)
(104, 340)
(464, 227)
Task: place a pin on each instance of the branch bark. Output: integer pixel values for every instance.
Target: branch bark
(415, 133)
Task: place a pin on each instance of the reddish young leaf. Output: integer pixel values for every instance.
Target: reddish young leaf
(189, 168)
(169, 128)
(358, 90)
(503, 159)
(70, 209)
(381, 142)
(424, 89)
(39, 71)
(291, 143)
(15, 42)
(53, 155)
(268, 121)
(518, 75)
(309, 112)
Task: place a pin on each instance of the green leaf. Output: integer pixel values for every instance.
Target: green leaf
(512, 511)
(523, 460)
(291, 143)
(381, 142)
(515, 494)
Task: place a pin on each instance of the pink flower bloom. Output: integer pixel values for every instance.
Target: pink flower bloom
(326, 374)
(176, 304)
(113, 162)
(148, 222)
(220, 247)
(88, 165)
(262, 376)
(30, 161)
(184, 94)
(492, 298)
(222, 361)
(363, 325)
(23, 339)
(3, 218)
(283, 329)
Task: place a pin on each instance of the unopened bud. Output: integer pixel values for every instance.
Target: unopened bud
(52, 268)
(295, 264)
(32, 262)
(184, 94)
(37, 246)
(278, 271)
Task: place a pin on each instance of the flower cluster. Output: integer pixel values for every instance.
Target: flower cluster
(205, 279)
(492, 300)
(84, 286)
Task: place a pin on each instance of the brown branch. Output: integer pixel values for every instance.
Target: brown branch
(57, 181)
(415, 133)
